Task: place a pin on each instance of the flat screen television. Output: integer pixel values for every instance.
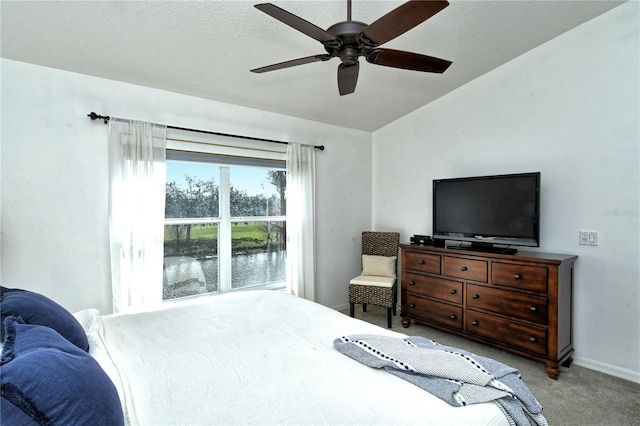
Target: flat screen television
(488, 213)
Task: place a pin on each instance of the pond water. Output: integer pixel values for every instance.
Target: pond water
(246, 270)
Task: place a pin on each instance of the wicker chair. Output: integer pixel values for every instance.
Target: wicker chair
(377, 284)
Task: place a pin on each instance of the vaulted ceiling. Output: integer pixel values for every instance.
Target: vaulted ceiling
(206, 49)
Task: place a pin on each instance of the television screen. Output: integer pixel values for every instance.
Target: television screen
(488, 210)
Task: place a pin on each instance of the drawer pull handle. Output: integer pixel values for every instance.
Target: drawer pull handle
(421, 262)
(532, 339)
(412, 305)
(454, 291)
(474, 323)
(464, 268)
(476, 296)
(517, 276)
(533, 309)
(453, 317)
(412, 283)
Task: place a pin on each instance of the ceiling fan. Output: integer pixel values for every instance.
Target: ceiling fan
(349, 40)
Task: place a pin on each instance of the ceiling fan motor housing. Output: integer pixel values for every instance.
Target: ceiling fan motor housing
(350, 47)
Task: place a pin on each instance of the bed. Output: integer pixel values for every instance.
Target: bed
(258, 358)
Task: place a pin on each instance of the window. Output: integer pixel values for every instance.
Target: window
(225, 221)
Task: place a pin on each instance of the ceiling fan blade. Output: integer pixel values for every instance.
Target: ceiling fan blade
(293, 63)
(401, 20)
(347, 78)
(407, 60)
(297, 23)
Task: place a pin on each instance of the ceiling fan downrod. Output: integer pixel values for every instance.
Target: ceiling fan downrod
(348, 10)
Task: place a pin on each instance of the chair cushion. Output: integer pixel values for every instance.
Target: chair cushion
(380, 266)
(373, 281)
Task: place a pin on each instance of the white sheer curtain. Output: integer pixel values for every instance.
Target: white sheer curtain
(301, 251)
(137, 168)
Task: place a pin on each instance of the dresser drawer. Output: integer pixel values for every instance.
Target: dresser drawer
(507, 303)
(467, 269)
(437, 288)
(531, 339)
(422, 262)
(434, 312)
(533, 278)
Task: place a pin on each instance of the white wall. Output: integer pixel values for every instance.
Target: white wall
(568, 109)
(54, 179)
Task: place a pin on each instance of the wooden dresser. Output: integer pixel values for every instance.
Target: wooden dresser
(520, 303)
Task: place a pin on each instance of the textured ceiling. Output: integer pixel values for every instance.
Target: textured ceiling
(206, 49)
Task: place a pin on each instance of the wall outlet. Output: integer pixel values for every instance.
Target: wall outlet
(588, 238)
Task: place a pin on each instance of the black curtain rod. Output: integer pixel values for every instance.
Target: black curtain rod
(106, 119)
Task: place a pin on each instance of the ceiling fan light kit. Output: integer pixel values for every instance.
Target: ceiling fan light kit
(348, 40)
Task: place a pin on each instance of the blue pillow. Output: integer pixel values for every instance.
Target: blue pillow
(52, 381)
(35, 308)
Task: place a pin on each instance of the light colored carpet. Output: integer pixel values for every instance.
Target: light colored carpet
(579, 397)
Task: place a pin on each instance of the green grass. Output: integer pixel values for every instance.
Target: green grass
(248, 230)
(245, 237)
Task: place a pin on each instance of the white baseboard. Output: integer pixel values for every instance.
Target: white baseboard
(345, 306)
(612, 370)
(341, 307)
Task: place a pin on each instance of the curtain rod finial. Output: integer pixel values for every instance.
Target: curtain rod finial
(95, 116)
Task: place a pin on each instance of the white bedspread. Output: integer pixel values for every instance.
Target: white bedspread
(261, 358)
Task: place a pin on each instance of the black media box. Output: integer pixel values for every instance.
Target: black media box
(421, 240)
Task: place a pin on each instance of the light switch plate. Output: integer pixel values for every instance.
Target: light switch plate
(589, 238)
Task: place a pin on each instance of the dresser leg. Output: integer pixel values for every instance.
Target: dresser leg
(405, 322)
(553, 370)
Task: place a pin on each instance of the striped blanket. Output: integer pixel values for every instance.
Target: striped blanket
(456, 376)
